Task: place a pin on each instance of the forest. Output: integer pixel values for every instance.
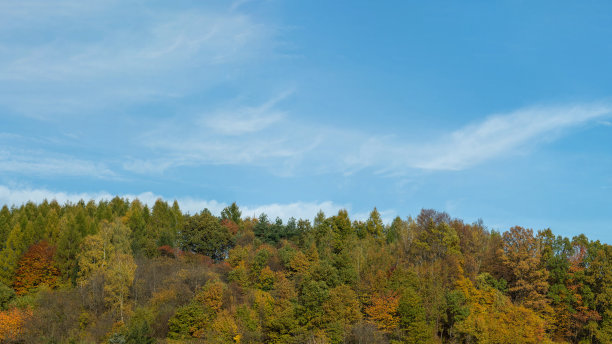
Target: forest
(119, 271)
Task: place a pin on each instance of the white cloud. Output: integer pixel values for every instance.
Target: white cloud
(246, 119)
(153, 43)
(298, 210)
(502, 134)
(495, 136)
(287, 147)
(126, 52)
(252, 135)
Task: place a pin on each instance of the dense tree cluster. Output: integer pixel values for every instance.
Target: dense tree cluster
(121, 272)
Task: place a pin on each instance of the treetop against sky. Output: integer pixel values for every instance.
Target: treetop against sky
(495, 111)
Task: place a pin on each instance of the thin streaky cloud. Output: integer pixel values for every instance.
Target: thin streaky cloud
(499, 135)
(329, 150)
(37, 164)
(239, 3)
(247, 119)
(184, 50)
(251, 135)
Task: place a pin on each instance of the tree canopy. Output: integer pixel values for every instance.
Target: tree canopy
(120, 272)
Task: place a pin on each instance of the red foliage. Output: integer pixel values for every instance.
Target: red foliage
(168, 251)
(223, 268)
(35, 268)
(231, 226)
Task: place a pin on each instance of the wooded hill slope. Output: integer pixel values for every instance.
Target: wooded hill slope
(119, 272)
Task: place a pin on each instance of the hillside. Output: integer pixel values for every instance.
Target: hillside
(119, 272)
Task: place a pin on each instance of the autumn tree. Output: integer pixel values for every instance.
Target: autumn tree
(36, 268)
(527, 278)
(383, 310)
(493, 318)
(119, 276)
(12, 323)
(342, 310)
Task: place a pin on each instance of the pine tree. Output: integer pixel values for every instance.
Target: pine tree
(374, 225)
(16, 244)
(5, 225)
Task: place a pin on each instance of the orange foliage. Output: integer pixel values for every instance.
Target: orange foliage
(35, 268)
(11, 323)
(383, 310)
(168, 251)
(212, 295)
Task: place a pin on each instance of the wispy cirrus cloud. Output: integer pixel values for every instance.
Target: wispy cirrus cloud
(232, 135)
(39, 163)
(267, 141)
(119, 52)
(495, 136)
(246, 119)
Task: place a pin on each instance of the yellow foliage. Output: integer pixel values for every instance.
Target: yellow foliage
(342, 305)
(163, 296)
(266, 278)
(237, 255)
(283, 287)
(212, 295)
(224, 329)
(263, 301)
(494, 319)
(299, 263)
(239, 275)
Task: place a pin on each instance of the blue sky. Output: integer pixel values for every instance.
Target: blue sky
(500, 111)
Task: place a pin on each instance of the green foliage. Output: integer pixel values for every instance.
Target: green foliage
(134, 275)
(374, 225)
(232, 213)
(139, 329)
(7, 294)
(312, 297)
(485, 280)
(9, 256)
(189, 321)
(203, 233)
(141, 242)
(272, 233)
(413, 324)
(5, 225)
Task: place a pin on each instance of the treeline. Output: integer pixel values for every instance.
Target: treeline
(120, 272)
